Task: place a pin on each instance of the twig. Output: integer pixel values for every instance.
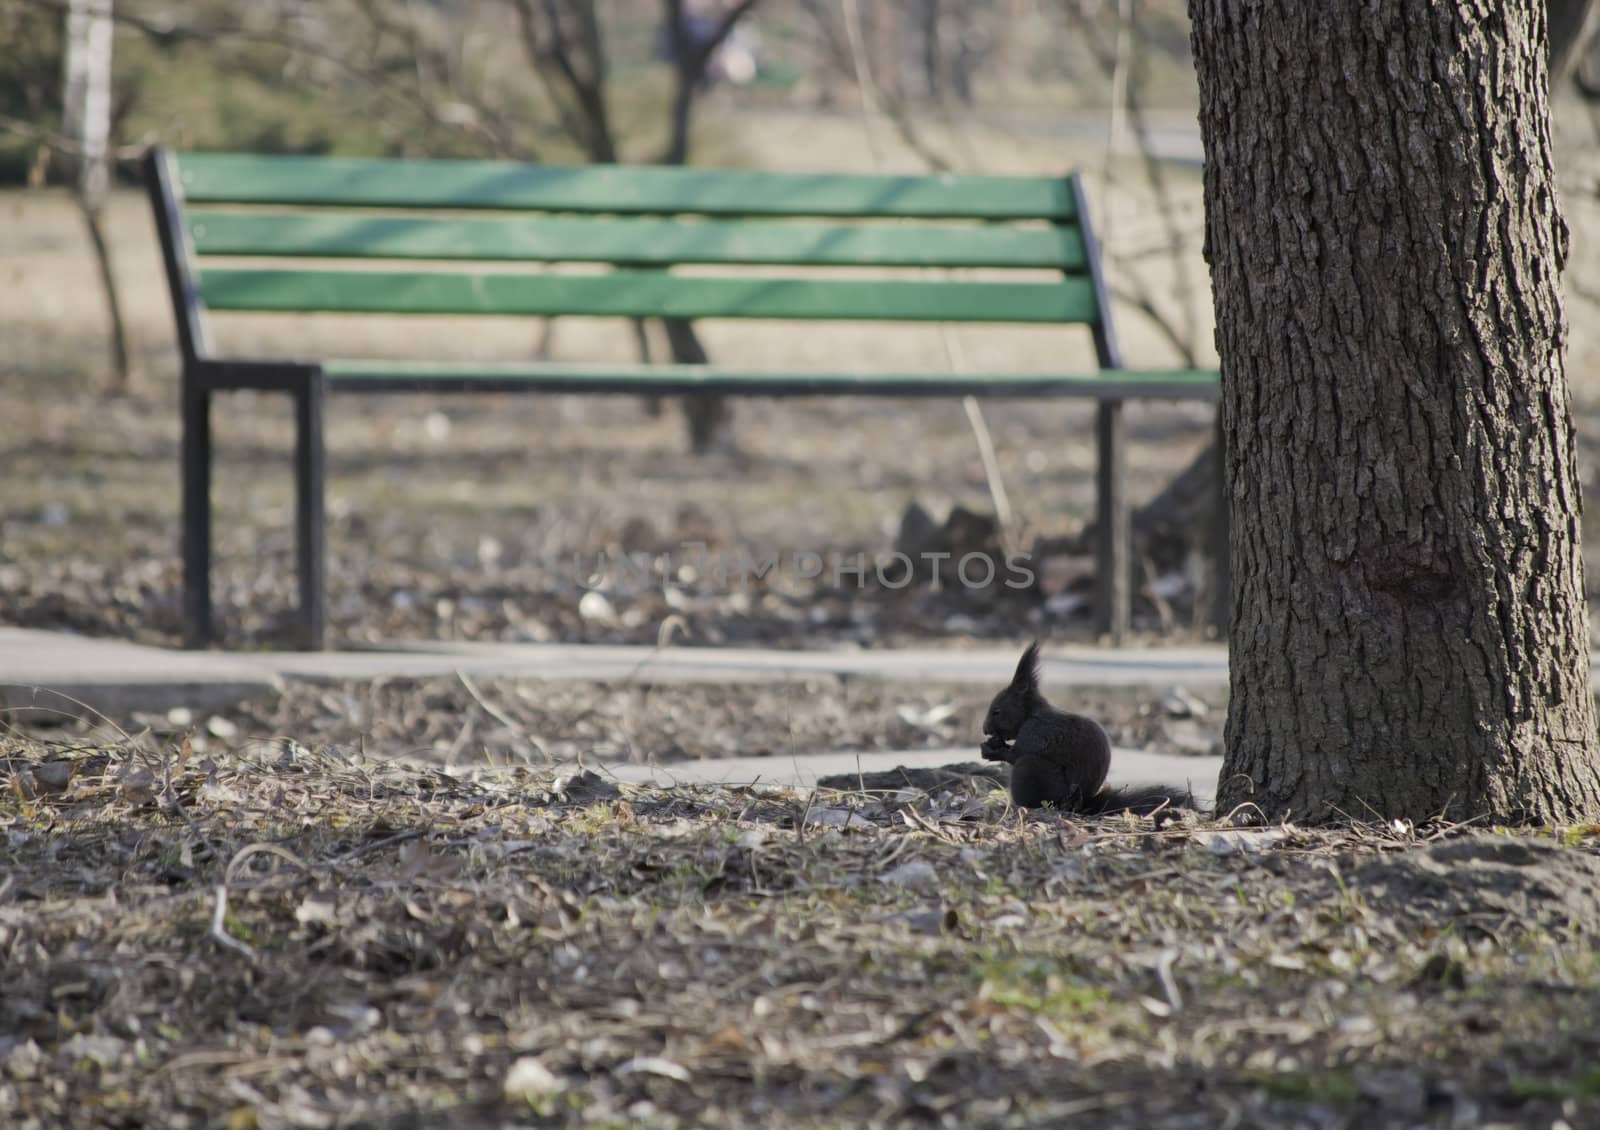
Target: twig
(991, 465)
(219, 933)
(261, 848)
(1112, 59)
(1169, 986)
(805, 814)
(912, 816)
(376, 845)
(170, 795)
(67, 697)
(463, 736)
(373, 77)
(1169, 619)
(489, 708)
(500, 716)
(59, 143)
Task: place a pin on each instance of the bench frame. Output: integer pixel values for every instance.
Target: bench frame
(308, 383)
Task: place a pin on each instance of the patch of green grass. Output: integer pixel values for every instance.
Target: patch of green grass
(1041, 986)
(1584, 1085)
(240, 930)
(1336, 1086)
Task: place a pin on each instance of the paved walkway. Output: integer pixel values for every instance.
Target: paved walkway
(54, 672)
(1081, 666)
(114, 676)
(1128, 767)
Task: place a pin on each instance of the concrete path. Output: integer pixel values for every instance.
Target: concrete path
(53, 673)
(1128, 767)
(114, 676)
(1080, 666)
(45, 673)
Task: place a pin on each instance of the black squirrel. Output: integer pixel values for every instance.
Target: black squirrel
(1057, 757)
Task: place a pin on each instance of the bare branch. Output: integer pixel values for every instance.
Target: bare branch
(1136, 292)
(58, 142)
(170, 33)
(583, 111)
(719, 34)
(1166, 209)
(874, 100)
(691, 62)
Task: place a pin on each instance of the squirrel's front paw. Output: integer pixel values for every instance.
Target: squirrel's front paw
(994, 749)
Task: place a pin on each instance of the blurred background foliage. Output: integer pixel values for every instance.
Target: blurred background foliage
(497, 77)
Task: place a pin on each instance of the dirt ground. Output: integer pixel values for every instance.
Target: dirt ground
(305, 940)
(497, 722)
(495, 535)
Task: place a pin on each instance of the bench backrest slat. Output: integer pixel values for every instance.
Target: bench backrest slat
(238, 178)
(544, 239)
(280, 234)
(645, 294)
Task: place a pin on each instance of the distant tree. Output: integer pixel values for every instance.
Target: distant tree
(566, 40)
(30, 89)
(86, 103)
(408, 72)
(57, 99)
(1410, 637)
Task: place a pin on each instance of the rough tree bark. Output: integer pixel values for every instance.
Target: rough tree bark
(1409, 633)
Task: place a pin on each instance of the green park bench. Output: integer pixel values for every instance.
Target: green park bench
(446, 231)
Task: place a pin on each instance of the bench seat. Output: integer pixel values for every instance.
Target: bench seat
(674, 380)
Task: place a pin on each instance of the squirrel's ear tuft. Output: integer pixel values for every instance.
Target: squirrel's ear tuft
(1027, 676)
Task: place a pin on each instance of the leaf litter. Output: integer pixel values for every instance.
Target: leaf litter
(320, 940)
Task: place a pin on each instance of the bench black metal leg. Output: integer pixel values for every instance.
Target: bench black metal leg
(1221, 549)
(1115, 564)
(196, 517)
(310, 513)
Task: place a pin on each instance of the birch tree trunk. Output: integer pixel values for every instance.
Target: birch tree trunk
(87, 103)
(1409, 634)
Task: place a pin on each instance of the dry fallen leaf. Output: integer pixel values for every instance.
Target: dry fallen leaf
(137, 785)
(419, 861)
(728, 1038)
(917, 874)
(320, 907)
(655, 1065)
(53, 776)
(528, 1080)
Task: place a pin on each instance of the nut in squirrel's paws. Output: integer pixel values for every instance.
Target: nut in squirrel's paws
(994, 749)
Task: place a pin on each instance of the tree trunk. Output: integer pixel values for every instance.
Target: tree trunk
(121, 361)
(86, 100)
(709, 418)
(1409, 636)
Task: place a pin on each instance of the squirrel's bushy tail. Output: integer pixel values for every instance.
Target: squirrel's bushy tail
(1143, 800)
